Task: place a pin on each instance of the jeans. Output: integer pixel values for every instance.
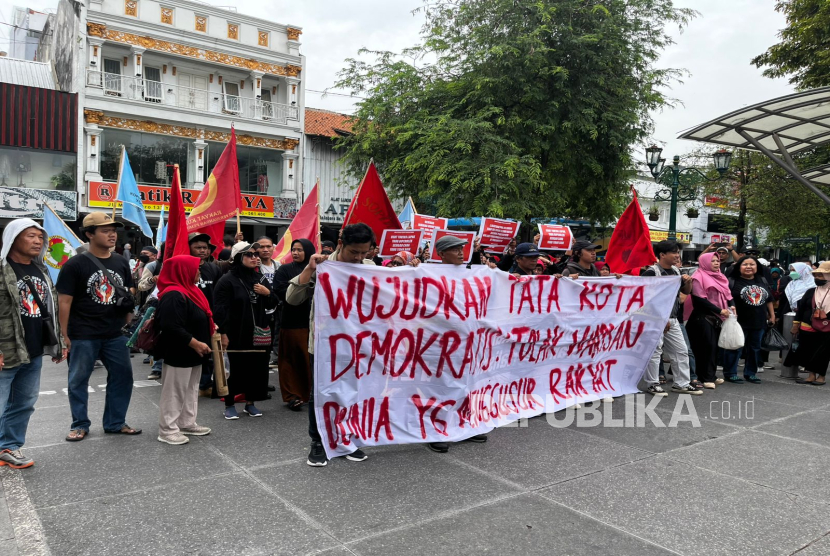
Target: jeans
(692, 372)
(312, 416)
(674, 344)
(157, 363)
(19, 387)
(116, 358)
(752, 339)
(206, 376)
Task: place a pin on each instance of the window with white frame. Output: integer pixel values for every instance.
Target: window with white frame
(152, 84)
(232, 100)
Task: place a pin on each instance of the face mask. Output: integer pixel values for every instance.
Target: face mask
(795, 275)
(821, 282)
(144, 258)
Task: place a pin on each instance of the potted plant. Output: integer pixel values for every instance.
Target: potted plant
(692, 212)
(653, 214)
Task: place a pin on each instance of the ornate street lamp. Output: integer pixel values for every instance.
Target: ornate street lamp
(681, 183)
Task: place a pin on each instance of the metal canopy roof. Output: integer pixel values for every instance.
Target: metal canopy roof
(25, 72)
(801, 121)
(778, 128)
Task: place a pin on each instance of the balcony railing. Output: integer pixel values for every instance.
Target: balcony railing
(188, 98)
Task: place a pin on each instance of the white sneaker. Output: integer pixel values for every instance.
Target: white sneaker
(174, 439)
(195, 430)
(719, 381)
(710, 385)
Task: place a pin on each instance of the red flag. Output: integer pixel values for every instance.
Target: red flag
(176, 223)
(371, 205)
(630, 245)
(220, 198)
(306, 225)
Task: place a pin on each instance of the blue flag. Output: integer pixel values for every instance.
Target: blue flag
(61, 243)
(161, 231)
(407, 216)
(133, 207)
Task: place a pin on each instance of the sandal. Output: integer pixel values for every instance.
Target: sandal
(697, 384)
(295, 405)
(126, 429)
(662, 379)
(76, 435)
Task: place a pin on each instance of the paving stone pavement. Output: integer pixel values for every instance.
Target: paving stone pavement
(746, 478)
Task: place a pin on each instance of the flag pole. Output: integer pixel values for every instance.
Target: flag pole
(414, 210)
(45, 204)
(238, 223)
(118, 182)
(319, 221)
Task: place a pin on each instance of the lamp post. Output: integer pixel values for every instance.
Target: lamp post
(681, 183)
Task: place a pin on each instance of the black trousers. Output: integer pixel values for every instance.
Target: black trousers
(312, 417)
(703, 338)
(813, 351)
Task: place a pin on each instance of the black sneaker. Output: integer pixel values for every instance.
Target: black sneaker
(688, 389)
(317, 455)
(440, 447)
(357, 455)
(479, 438)
(656, 390)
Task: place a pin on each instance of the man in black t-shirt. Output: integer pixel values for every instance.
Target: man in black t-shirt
(92, 317)
(27, 299)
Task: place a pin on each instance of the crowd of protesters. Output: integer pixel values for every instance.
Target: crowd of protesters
(243, 311)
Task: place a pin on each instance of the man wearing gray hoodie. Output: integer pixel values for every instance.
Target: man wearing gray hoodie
(29, 328)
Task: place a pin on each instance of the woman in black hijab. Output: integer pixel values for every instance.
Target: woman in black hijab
(294, 367)
(240, 300)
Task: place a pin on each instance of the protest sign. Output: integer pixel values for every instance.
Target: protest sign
(429, 223)
(442, 353)
(555, 238)
(496, 234)
(469, 237)
(394, 241)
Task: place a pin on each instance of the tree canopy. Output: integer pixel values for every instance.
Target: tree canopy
(804, 51)
(514, 108)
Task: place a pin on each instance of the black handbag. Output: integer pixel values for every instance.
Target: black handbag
(124, 300)
(50, 338)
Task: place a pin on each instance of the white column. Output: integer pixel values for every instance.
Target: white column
(138, 59)
(95, 46)
(256, 79)
(293, 90)
(93, 152)
(199, 161)
(290, 175)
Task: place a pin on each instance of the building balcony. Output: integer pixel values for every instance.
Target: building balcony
(140, 90)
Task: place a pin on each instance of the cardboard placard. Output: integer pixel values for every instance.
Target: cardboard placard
(438, 234)
(393, 242)
(555, 238)
(496, 234)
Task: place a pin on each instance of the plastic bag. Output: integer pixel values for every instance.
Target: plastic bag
(731, 335)
(773, 341)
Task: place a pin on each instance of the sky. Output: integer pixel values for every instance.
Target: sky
(715, 49)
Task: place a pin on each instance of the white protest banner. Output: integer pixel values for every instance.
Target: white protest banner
(393, 242)
(442, 353)
(469, 237)
(496, 234)
(555, 238)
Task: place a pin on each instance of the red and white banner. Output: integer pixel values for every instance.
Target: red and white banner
(429, 223)
(393, 242)
(442, 353)
(555, 238)
(469, 237)
(496, 234)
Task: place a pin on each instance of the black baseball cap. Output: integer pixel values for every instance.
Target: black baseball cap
(584, 244)
(527, 250)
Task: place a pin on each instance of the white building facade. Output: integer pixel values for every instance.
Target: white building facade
(168, 80)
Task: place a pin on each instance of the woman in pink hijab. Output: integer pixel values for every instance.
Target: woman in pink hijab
(712, 303)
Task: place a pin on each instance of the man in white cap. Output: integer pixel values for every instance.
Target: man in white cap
(30, 323)
(95, 302)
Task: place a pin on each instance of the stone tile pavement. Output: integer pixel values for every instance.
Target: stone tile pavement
(746, 478)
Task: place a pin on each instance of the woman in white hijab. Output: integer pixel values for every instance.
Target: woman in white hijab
(802, 280)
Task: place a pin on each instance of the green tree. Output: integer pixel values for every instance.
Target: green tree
(514, 108)
(802, 53)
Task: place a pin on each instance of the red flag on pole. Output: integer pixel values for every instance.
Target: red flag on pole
(371, 205)
(176, 223)
(220, 197)
(630, 245)
(306, 225)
